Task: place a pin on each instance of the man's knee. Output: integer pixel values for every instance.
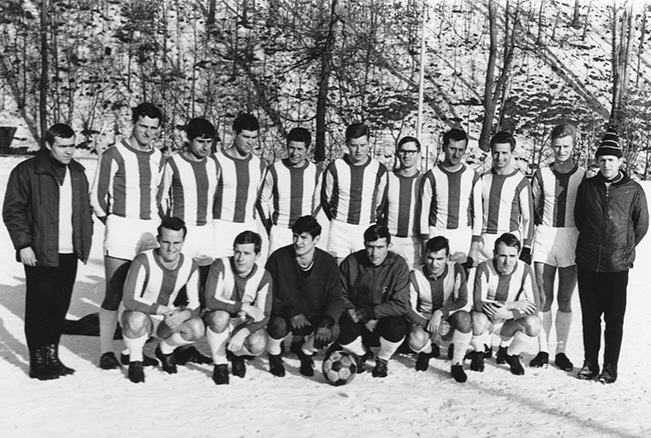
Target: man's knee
(217, 320)
(418, 338)
(135, 324)
(256, 342)
(480, 323)
(461, 321)
(392, 328)
(193, 329)
(531, 325)
(277, 327)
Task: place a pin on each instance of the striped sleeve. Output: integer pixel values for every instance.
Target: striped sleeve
(100, 194)
(414, 316)
(266, 196)
(329, 193)
(133, 297)
(476, 206)
(219, 287)
(263, 301)
(163, 197)
(538, 194)
(426, 196)
(526, 212)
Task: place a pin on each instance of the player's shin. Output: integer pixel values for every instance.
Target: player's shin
(563, 324)
(520, 340)
(387, 348)
(543, 336)
(108, 321)
(135, 347)
(460, 341)
(274, 345)
(217, 343)
(175, 340)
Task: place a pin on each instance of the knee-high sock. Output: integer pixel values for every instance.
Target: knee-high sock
(543, 336)
(273, 345)
(168, 345)
(356, 347)
(308, 346)
(217, 343)
(460, 342)
(387, 348)
(108, 322)
(479, 341)
(135, 347)
(520, 339)
(563, 323)
(427, 348)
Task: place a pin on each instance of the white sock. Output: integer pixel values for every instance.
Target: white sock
(479, 341)
(308, 346)
(387, 348)
(460, 342)
(543, 336)
(243, 352)
(356, 347)
(520, 340)
(168, 345)
(563, 324)
(273, 345)
(135, 346)
(217, 343)
(427, 348)
(108, 322)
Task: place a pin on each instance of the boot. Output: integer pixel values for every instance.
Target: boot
(52, 351)
(39, 368)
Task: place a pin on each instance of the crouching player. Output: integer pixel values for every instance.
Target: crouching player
(307, 297)
(238, 304)
(505, 303)
(153, 282)
(439, 297)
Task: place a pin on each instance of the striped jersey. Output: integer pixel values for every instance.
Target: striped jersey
(188, 188)
(227, 291)
(554, 196)
(237, 187)
(289, 193)
(352, 194)
(150, 285)
(400, 204)
(507, 205)
(451, 200)
(126, 182)
(519, 285)
(448, 292)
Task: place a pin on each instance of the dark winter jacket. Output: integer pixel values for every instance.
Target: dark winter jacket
(379, 290)
(31, 209)
(612, 219)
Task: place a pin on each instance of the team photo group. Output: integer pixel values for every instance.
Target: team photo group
(413, 261)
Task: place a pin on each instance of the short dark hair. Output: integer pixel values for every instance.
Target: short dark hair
(172, 223)
(508, 239)
(501, 138)
(376, 232)
(357, 130)
(60, 130)
(245, 121)
(408, 139)
(301, 135)
(435, 244)
(201, 128)
(455, 134)
(147, 109)
(307, 224)
(248, 236)
(564, 130)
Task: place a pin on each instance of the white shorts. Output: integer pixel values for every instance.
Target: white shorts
(280, 237)
(345, 238)
(459, 239)
(487, 245)
(555, 246)
(124, 237)
(225, 232)
(198, 244)
(408, 248)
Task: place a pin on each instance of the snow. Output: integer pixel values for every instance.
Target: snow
(93, 402)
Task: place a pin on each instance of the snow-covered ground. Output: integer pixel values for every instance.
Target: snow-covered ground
(97, 403)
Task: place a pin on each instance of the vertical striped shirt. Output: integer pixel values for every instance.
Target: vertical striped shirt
(400, 205)
(187, 189)
(237, 187)
(554, 195)
(508, 205)
(451, 200)
(126, 182)
(491, 285)
(352, 194)
(289, 192)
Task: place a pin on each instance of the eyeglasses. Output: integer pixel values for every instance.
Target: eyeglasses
(406, 152)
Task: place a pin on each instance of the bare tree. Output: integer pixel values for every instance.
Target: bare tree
(622, 37)
(324, 84)
(42, 103)
(576, 17)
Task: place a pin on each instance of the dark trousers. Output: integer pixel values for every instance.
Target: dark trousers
(602, 293)
(391, 328)
(279, 326)
(47, 300)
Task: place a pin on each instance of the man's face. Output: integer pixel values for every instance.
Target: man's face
(200, 147)
(297, 153)
(435, 262)
(501, 155)
(145, 130)
(358, 149)
(63, 149)
(244, 257)
(170, 244)
(304, 243)
(507, 257)
(454, 152)
(245, 141)
(563, 147)
(377, 251)
(609, 165)
(408, 155)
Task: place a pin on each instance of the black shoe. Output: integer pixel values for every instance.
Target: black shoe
(167, 361)
(488, 351)
(39, 368)
(458, 373)
(276, 366)
(238, 365)
(422, 362)
(136, 372)
(501, 356)
(589, 371)
(190, 355)
(608, 374)
(381, 368)
(563, 362)
(514, 362)
(450, 351)
(436, 351)
(361, 362)
(52, 353)
(477, 361)
(220, 374)
(146, 360)
(540, 361)
(307, 364)
(108, 361)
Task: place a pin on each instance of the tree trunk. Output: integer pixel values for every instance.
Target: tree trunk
(42, 104)
(576, 18)
(489, 103)
(212, 7)
(324, 84)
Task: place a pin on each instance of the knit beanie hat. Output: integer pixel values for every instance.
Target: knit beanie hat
(610, 144)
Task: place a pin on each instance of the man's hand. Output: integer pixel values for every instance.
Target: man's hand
(524, 306)
(237, 340)
(322, 337)
(299, 321)
(525, 255)
(371, 324)
(27, 256)
(496, 311)
(256, 314)
(175, 319)
(352, 314)
(435, 322)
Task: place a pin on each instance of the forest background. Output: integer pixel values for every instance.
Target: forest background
(517, 65)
